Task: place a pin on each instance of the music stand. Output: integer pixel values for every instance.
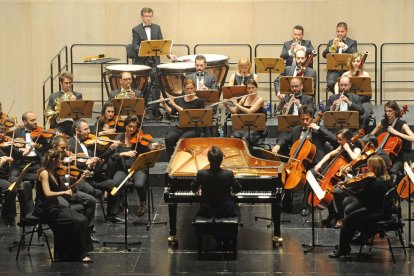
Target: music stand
(269, 65)
(146, 161)
(76, 109)
(134, 106)
(16, 184)
(287, 122)
(233, 91)
(284, 85)
(255, 121)
(361, 86)
(337, 62)
(195, 118)
(209, 96)
(341, 119)
(151, 48)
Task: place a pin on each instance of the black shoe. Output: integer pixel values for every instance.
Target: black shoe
(338, 253)
(94, 240)
(115, 219)
(305, 212)
(10, 221)
(359, 239)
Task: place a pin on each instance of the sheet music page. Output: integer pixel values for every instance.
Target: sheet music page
(315, 185)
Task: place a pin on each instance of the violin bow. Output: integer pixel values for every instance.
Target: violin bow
(14, 132)
(76, 147)
(119, 113)
(140, 128)
(96, 140)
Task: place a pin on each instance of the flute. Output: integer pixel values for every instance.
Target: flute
(236, 98)
(167, 99)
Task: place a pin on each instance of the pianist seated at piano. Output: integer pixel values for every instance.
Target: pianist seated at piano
(250, 104)
(190, 101)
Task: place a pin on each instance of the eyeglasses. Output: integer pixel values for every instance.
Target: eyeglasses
(294, 86)
(132, 126)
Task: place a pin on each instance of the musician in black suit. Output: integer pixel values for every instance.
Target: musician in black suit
(201, 77)
(216, 185)
(346, 101)
(300, 59)
(66, 81)
(296, 87)
(344, 45)
(31, 152)
(290, 47)
(319, 136)
(148, 31)
(125, 90)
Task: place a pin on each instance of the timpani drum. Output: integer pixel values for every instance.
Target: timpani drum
(140, 76)
(217, 65)
(171, 76)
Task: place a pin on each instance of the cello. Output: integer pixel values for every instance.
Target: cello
(301, 154)
(330, 176)
(391, 144)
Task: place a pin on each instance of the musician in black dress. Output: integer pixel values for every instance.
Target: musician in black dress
(190, 101)
(243, 74)
(70, 228)
(250, 104)
(393, 123)
(369, 197)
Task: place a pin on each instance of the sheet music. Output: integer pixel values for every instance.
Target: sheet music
(409, 171)
(315, 185)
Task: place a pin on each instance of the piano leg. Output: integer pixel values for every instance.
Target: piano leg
(172, 213)
(276, 214)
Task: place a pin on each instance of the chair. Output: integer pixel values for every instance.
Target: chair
(227, 227)
(391, 223)
(27, 219)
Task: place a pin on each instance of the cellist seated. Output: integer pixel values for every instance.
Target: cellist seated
(318, 136)
(346, 152)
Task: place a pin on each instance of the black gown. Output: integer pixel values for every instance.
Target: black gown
(70, 229)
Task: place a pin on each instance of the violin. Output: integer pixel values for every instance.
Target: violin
(117, 121)
(45, 133)
(141, 138)
(101, 140)
(357, 179)
(7, 141)
(301, 154)
(392, 145)
(405, 188)
(17, 142)
(72, 170)
(7, 121)
(330, 176)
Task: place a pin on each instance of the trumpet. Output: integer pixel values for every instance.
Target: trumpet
(335, 43)
(167, 99)
(297, 44)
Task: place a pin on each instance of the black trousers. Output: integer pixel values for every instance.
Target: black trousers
(9, 207)
(138, 180)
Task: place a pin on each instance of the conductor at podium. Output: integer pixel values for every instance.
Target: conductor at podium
(216, 185)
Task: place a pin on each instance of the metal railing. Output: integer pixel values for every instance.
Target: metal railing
(385, 62)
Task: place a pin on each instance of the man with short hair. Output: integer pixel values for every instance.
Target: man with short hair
(344, 44)
(297, 43)
(287, 107)
(126, 88)
(201, 77)
(300, 59)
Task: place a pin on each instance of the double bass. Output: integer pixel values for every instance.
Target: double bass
(391, 144)
(301, 154)
(330, 177)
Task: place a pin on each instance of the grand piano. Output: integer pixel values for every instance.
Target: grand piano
(258, 177)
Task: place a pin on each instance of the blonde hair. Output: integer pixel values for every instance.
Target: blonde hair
(378, 166)
(242, 62)
(352, 58)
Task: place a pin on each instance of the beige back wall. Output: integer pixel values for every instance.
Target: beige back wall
(33, 31)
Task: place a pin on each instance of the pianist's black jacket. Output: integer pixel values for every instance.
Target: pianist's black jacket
(216, 189)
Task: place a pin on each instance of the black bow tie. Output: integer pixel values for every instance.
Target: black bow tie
(147, 26)
(200, 74)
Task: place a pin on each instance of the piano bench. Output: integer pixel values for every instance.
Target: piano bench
(226, 229)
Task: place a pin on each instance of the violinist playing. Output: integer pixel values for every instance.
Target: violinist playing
(366, 202)
(69, 172)
(32, 150)
(190, 101)
(70, 228)
(124, 157)
(87, 161)
(8, 211)
(398, 129)
(319, 136)
(107, 123)
(349, 152)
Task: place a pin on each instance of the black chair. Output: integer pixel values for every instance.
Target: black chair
(391, 223)
(27, 220)
(225, 227)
